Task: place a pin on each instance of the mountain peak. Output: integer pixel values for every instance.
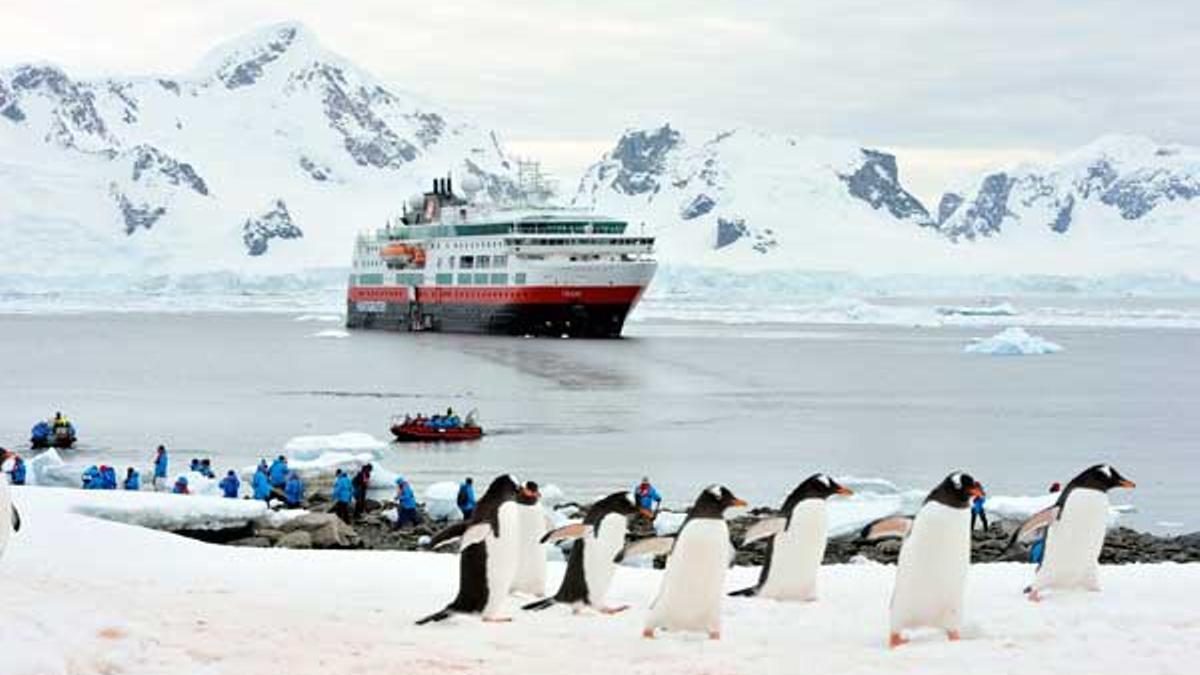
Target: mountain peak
(244, 60)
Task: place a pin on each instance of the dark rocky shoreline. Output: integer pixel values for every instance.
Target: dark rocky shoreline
(374, 531)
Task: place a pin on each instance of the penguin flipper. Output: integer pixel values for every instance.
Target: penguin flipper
(448, 535)
(654, 546)
(887, 528)
(436, 616)
(539, 605)
(764, 529)
(476, 533)
(16, 519)
(1032, 528)
(745, 592)
(572, 531)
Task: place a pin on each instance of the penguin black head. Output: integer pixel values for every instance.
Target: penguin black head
(503, 488)
(528, 493)
(956, 491)
(620, 503)
(1102, 477)
(816, 486)
(713, 501)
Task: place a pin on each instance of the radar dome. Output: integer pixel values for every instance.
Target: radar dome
(416, 202)
(471, 184)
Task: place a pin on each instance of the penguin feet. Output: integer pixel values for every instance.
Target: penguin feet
(648, 633)
(497, 619)
(613, 610)
(895, 640)
(953, 635)
(1033, 595)
(714, 635)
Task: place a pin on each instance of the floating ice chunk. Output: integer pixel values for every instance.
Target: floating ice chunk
(1002, 309)
(334, 333)
(441, 501)
(47, 469)
(1013, 341)
(322, 318)
(311, 447)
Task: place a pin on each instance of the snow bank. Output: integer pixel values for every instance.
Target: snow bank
(310, 447)
(1013, 341)
(157, 510)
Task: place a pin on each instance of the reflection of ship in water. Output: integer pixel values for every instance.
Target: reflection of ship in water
(455, 264)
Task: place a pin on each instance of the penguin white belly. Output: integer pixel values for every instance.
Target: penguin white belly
(931, 574)
(531, 571)
(693, 583)
(598, 553)
(796, 554)
(1073, 542)
(503, 557)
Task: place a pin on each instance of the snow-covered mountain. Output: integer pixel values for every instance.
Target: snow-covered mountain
(268, 156)
(748, 200)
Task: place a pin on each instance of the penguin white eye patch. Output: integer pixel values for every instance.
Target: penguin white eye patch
(1106, 470)
(957, 480)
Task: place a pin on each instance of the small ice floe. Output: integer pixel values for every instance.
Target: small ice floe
(441, 501)
(331, 334)
(311, 447)
(1013, 341)
(320, 318)
(1002, 309)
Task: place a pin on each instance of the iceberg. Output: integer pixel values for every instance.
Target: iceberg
(312, 447)
(1013, 341)
(1002, 309)
(331, 333)
(441, 501)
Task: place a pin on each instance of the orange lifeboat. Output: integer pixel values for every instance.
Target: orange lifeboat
(404, 253)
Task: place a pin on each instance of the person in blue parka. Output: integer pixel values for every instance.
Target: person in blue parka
(160, 468)
(466, 498)
(17, 475)
(343, 494)
(133, 480)
(261, 483)
(646, 495)
(108, 478)
(978, 511)
(230, 485)
(91, 478)
(293, 491)
(278, 473)
(406, 504)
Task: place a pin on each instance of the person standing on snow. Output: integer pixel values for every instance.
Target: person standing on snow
(278, 473)
(160, 468)
(466, 498)
(133, 480)
(343, 494)
(646, 496)
(406, 504)
(181, 486)
(261, 483)
(977, 511)
(230, 485)
(16, 475)
(293, 491)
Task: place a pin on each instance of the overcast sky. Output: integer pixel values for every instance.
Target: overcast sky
(948, 85)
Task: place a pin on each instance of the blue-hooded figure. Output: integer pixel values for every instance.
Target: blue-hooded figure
(230, 485)
(133, 480)
(407, 502)
(160, 463)
(646, 495)
(40, 432)
(260, 483)
(293, 490)
(17, 475)
(108, 478)
(343, 490)
(91, 478)
(278, 473)
(466, 498)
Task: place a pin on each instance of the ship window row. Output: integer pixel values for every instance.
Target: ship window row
(624, 241)
(370, 280)
(479, 279)
(492, 229)
(477, 262)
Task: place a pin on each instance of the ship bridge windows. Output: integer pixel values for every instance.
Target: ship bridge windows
(483, 262)
(571, 227)
(370, 280)
(499, 261)
(466, 262)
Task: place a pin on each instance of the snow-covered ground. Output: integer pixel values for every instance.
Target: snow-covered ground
(84, 596)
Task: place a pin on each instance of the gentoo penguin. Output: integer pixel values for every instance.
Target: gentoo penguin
(534, 523)
(10, 518)
(1074, 529)
(490, 550)
(590, 566)
(689, 597)
(931, 574)
(796, 543)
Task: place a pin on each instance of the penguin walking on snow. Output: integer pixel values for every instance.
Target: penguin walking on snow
(534, 523)
(10, 518)
(490, 552)
(931, 575)
(591, 565)
(1074, 529)
(796, 542)
(689, 597)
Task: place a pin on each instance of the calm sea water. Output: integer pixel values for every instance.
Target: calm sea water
(757, 408)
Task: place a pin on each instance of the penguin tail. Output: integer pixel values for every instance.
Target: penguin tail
(539, 605)
(745, 592)
(436, 616)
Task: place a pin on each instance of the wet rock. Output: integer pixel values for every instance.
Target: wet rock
(272, 536)
(253, 542)
(297, 539)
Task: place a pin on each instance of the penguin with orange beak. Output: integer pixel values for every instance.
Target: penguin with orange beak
(689, 597)
(1074, 529)
(931, 574)
(796, 542)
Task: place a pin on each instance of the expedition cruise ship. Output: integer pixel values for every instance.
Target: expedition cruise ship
(453, 265)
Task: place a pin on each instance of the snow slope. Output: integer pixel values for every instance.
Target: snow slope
(750, 201)
(148, 603)
(267, 157)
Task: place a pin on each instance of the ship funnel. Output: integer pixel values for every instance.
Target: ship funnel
(449, 190)
(435, 186)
